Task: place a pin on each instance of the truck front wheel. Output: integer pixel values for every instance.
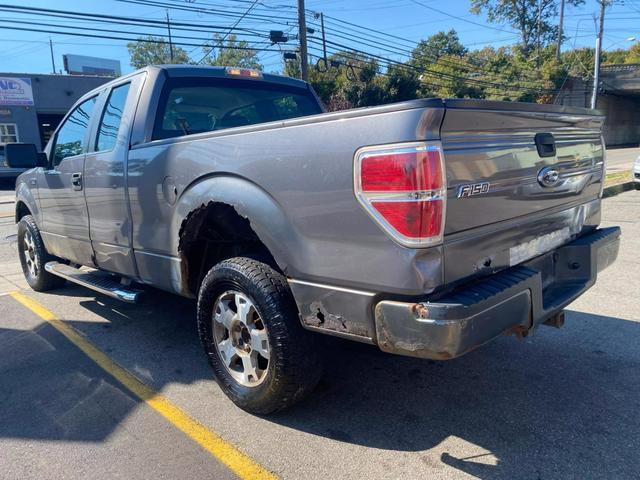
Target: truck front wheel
(33, 256)
(248, 323)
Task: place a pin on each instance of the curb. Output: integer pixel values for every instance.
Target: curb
(617, 189)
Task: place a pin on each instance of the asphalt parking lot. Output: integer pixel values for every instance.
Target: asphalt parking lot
(560, 404)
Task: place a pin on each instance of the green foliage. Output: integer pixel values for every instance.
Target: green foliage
(533, 19)
(440, 67)
(438, 45)
(234, 54)
(151, 51)
(348, 81)
(401, 83)
(614, 57)
(634, 54)
(579, 62)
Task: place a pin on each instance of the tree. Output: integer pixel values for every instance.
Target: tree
(233, 53)
(439, 62)
(614, 57)
(154, 51)
(438, 45)
(401, 83)
(579, 62)
(532, 18)
(634, 54)
(348, 80)
(452, 77)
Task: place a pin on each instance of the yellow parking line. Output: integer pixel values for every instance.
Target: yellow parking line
(225, 452)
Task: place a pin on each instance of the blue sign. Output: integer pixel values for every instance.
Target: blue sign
(16, 92)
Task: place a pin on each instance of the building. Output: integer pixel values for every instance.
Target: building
(618, 98)
(32, 105)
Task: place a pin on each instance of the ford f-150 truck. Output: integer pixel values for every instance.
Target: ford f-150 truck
(425, 227)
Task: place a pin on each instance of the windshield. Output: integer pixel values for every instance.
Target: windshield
(196, 105)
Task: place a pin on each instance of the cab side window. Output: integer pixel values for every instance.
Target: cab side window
(111, 117)
(70, 137)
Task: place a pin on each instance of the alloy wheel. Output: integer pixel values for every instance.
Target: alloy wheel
(241, 338)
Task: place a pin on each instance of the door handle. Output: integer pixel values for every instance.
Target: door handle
(76, 180)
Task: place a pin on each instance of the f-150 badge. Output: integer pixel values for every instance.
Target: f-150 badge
(473, 189)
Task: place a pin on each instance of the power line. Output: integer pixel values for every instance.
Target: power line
(109, 18)
(230, 30)
(484, 25)
(126, 39)
(96, 29)
(222, 13)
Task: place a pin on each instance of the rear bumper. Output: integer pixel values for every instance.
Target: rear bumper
(516, 299)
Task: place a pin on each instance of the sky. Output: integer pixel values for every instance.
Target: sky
(407, 21)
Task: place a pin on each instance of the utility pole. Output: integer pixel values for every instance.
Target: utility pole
(53, 62)
(560, 26)
(324, 38)
(539, 26)
(170, 42)
(302, 35)
(596, 63)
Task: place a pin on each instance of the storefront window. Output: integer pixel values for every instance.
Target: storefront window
(8, 133)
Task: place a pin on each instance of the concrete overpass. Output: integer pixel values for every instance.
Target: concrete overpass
(618, 99)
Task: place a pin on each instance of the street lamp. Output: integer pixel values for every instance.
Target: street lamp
(630, 39)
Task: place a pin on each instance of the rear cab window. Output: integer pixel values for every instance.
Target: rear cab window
(196, 105)
(111, 118)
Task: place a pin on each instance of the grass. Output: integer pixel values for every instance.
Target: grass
(616, 178)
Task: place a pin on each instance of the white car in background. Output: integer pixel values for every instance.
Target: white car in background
(636, 172)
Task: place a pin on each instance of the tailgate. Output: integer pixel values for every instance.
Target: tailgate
(521, 179)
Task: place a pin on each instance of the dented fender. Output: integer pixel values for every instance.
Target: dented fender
(25, 195)
(265, 215)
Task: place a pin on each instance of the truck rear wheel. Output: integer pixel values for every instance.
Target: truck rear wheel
(33, 257)
(248, 323)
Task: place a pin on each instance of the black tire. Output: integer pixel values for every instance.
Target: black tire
(294, 366)
(42, 280)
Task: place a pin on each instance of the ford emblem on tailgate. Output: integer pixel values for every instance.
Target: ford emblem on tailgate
(548, 177)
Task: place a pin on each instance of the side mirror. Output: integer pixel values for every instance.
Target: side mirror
(24, 155)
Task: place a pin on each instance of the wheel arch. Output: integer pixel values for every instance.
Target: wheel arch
(25, 203)
(239, 203)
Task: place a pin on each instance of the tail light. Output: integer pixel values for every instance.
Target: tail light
(403, 188)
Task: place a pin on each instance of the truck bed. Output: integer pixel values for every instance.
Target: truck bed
(305, 167)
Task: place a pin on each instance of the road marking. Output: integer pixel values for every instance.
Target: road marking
(225, 452)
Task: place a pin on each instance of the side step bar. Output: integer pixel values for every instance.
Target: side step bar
(100, 282)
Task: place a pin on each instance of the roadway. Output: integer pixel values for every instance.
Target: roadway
(621, 159)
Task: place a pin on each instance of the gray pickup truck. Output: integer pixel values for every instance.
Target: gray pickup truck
(426, 227)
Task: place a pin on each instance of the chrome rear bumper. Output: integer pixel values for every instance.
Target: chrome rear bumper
(517, 299)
